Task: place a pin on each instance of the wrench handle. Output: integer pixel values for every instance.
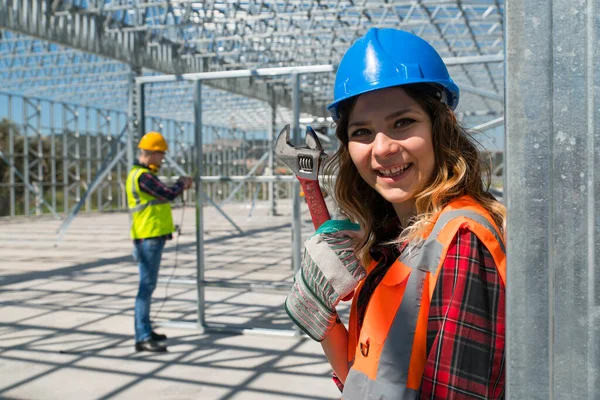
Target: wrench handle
(316, 202)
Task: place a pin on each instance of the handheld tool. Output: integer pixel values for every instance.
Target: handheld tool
(305, 163)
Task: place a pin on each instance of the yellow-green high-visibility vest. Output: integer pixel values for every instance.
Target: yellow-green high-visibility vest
(151, 217)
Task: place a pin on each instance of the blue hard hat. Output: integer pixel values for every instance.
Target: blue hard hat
(384, 58)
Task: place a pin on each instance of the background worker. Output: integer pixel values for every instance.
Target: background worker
(152, 225)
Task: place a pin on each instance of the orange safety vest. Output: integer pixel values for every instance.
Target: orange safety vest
(398, 309)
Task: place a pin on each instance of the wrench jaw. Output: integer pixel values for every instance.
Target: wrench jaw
(311, 139)
(303, 161)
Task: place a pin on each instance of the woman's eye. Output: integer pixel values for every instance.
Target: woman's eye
(403, 122)
(359, 132)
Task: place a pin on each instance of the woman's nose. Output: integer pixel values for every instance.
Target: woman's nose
(385, 146)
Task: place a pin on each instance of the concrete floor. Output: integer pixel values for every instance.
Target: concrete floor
(66, 312)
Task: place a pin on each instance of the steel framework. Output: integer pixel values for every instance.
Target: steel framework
(87, 53)
(63, 146)
(54, 48)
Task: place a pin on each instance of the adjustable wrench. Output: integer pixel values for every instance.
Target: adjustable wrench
(305, 163)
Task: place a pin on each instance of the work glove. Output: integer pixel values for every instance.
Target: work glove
(329, 272)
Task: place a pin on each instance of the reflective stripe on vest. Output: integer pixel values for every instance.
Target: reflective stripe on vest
(392, 369)
(429, 259)
(142, 207)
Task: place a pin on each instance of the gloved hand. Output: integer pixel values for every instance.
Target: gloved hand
(330, 271)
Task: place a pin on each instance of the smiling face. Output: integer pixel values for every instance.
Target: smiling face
(390, 143)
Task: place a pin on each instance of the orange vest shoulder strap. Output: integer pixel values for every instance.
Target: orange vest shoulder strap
(474, 217)
(431, 257)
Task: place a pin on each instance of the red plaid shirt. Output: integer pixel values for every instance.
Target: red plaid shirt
(465, 336)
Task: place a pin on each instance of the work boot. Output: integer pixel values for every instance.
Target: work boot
(150, 345)
(159, 337)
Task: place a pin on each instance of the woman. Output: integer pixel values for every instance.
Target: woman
(427, 321)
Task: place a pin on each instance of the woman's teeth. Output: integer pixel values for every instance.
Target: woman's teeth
(394, 171)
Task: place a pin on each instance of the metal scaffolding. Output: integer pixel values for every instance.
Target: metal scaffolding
(57, 147)
(188, 36)
(61, 147)
(87, 54)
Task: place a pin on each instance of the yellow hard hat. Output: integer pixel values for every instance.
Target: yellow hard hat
(153, 141)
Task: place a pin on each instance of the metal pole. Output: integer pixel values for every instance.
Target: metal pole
(40, 160)
(552, 181)
(277, 71)
(135, 114)
(53, 155)
(99, 159)
(11, 155)
(271, 171)
(77, 161)
(88, 157)
(489, 125)
(481, 59)
(296, 222)
(121, 199)
(26, 155)
(199, 220)
(253, 178)
(65, 160)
